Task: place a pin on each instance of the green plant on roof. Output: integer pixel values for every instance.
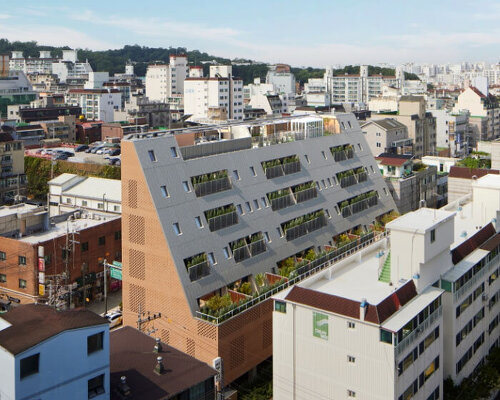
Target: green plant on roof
(245, 288)
(195, 260)
(260, 280)
(238, 244)
(277, 194)
(271, 163)
(303, 186)
(215, 303)
(217, 212)
(287, 267)
(310, 255)
(256, 237)
(290, 159)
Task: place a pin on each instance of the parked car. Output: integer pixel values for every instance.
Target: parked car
(115, 318)
(80, 148)
(115, 152)
(95, 149)
(68, 153)
(60, 156)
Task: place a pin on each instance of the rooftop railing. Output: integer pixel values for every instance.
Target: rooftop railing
(303, 273)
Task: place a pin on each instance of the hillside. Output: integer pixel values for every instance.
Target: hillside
(114, 61)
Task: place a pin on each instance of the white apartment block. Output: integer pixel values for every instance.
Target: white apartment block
(68, 192)
(32, 65)
(316, 93)
(281, 77)
(96, 104)
(452, 132)
(218, 97)
(164, 81)
(359, 88)
(394, 318)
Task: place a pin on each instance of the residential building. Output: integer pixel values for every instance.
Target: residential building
(386, 101)
(409, 183)
(15, 88)
(30, 134)
(425, 307)
(156, 113)
(218, 97)
(460, 180)
(96, 80)
(88, 131)
(69, 70)
(452, 132)
(149, 369)
(69, 192)
(360, 88)
(166, 80)
(73, 248)
(208, 211)
(64, 129)
(96, 104)
(12, 178)
(387, 136)
(256, 88)
(32, 65)
(49, 354)
(124, 87)
(281, 77)
(443, 164)
(119, 129)
(484, 113)
(270, 103)
(21, 113)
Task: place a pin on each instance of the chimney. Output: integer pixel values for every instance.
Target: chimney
(157, 348)
(123, 388)
(159, 369)
(362, 311)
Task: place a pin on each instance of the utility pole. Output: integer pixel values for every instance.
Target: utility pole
(105, 287)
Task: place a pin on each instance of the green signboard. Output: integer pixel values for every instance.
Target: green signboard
(116, 273)
(320, 325)
(117, 264)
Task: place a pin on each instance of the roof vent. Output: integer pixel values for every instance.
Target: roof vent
(416, 276)
(463, 234)
(157, 348)
(159, 368)
(123, 388)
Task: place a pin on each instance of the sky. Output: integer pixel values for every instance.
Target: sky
(301, 33)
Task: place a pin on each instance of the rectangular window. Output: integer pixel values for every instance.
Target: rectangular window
(433, 235)
(95, 342)
(177, 228)
(22, 283)
(100, 206)
(199, 224)
(249, 207)
(252, 170)
(212, 259)
(85, 246)
(256, 205)
(118, 235)
(84, 203)
(320, 325)
(351, 325)
(385, 336)
(226, 253)
(351, 359)
(266, 235)
(240, 209)
(324, 155)
(264, 202)
(173, 152)
(22, 260)
(280, 306)
(116, 208)
(164, 191)
(307, 158)
(236, 175)
(96, 386)
(3, 278)
(152, 155)
(185, 185)
(3, 255)
(351, 393)
(101, 241)
(29, 365)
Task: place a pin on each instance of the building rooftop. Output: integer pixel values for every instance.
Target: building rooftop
(420, 220)
(31, 324)
(488, 181)
(97, 188)
(132, 356)
(468, 173)
(386, 123)
(61, 179)
(86, 221)
(17, 209)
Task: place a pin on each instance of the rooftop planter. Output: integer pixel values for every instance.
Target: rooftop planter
(248, 247)
(221, 217)
(358, 203)
(342, 153)
(281, 166)
(211, 183)
(301, 226)
(280, 199)
(305, 191)
(197, 266)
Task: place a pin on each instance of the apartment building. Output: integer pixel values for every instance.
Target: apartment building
(32, 65)
(73, 245)
(96, 104)
(453, 132)
(282, 79)
(460, 180)
(12, 178)
(30, 338)
(164, 81)
(69, 70)
(15, 88)
(210, 213)
(27, 114)
(359, 88)
(69, 192)
(409, 182)
(484, 113)
(218, 97)
(140, 107)
(387, 136)
(424, 307)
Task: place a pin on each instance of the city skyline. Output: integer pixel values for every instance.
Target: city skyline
(372, 34)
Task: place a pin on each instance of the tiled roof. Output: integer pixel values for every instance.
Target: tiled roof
(468, 173)
(395, 161)
(492, 243)
(31, 324)
(471, 244)
(477, 91)
(391, 304)
(324, 301)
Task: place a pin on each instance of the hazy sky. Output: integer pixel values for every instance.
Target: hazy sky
(312, 33)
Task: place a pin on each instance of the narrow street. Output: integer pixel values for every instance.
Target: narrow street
(114, 300)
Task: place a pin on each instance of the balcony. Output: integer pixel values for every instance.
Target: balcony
(301, 226)
(305, 192)
(352, 177)
(342, 153)
(281, 166)
(358, 204)
(280, 199)
(248, 247)
(197, 267)
(207, 184)
(222, 217)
